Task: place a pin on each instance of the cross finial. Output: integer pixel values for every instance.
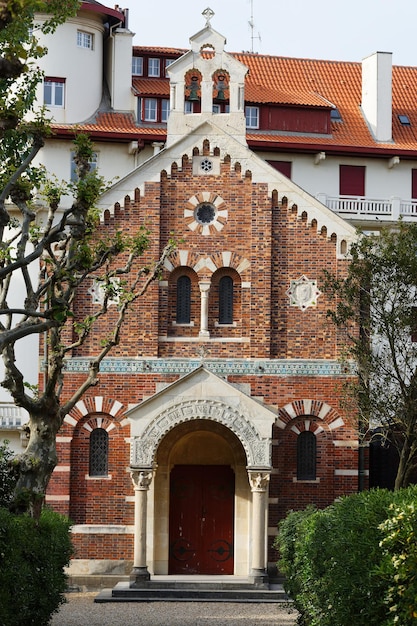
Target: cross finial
(208, 14)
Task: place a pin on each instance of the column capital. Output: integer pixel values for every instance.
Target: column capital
(259, 480)
(204, 285)
(141, 478)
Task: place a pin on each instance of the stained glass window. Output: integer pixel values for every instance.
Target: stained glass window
(306, 456)
(226, 300)
(183, 300)
(99, 452)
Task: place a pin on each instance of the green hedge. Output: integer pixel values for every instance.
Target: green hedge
(343, 564)
(32, 560)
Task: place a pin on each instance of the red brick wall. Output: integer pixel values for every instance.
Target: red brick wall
(280, 246)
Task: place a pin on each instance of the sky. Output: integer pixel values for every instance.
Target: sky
(342, 31)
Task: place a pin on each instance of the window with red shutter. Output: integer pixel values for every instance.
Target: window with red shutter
(352, 180)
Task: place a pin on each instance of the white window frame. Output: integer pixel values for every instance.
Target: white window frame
(137, 66)
(93, 162)
(154, 67)
(164, 110)
(167, 64)
(252, 117)
(188, 107)
(57, 88)
(150, 110)
(85, 40)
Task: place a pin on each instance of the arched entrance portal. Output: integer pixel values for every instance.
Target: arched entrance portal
(200, 420)
(202, 470)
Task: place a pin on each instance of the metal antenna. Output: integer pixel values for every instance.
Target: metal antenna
(252, 27)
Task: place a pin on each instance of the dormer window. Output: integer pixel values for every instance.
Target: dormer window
(252, 117)
(164, 110)
(167, 64)
(154, 68)
(137, 66)
(150, 109)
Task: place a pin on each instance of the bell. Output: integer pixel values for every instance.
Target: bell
(221, 86)
(193, 95)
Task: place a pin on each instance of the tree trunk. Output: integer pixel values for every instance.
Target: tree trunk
(403, 466)
(35, 465)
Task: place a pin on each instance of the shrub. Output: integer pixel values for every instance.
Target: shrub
(32, 560)
(337, 572)
(289, 541)
(7, 477)
(399, 567)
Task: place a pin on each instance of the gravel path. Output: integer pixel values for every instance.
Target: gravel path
(82, 611)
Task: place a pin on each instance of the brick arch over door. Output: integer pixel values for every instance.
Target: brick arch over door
(305, 407)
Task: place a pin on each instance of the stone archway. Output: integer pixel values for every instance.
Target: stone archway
(257, 449)
(200, 443)
(205, 403)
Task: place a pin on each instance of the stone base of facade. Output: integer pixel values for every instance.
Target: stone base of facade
(99, 567)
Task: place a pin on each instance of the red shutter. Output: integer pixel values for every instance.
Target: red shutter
(282, 166)
(414, 184)
(352, 180)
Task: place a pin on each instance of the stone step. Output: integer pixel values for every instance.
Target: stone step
(192, 592)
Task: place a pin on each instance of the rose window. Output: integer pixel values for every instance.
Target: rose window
(206, 165)
(205, 213)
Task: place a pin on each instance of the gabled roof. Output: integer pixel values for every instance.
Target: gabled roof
(226, 144)
(301, 81)
(304, 83)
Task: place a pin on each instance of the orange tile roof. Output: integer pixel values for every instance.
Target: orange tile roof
(151, 86)
(300, 81)
(138, 50)
(291, 82)
(112, 126)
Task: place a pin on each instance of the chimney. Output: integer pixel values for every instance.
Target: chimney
(377, 94)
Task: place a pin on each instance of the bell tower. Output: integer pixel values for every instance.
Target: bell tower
(207, 85)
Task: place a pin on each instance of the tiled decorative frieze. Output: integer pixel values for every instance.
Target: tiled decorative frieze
(221, 367)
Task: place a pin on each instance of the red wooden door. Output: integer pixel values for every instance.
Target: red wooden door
(201, 519)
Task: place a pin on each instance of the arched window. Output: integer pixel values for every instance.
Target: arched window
(99, 452)
(183, 300)
(306, 456)
(226, 300)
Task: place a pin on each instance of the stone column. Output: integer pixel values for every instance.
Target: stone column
(259, 486)
(141, 479)
(204, 291)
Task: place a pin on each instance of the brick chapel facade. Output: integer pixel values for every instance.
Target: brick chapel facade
(221, 409)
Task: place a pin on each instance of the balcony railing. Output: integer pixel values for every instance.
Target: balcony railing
(371, 208)
(12, 417)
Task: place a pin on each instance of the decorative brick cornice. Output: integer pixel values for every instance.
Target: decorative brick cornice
(222, 367)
